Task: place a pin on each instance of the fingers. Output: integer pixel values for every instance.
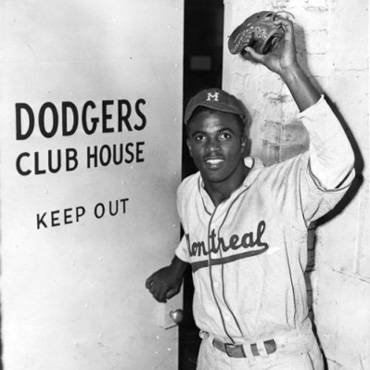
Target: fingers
(163, 284)
(287, 26)
(284, 22)
(149, 282)
(250, 54)
(160, 296)
(160, 292)
(158, 289)
(172, 292)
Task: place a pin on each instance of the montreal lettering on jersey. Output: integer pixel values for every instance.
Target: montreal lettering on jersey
(249, 240)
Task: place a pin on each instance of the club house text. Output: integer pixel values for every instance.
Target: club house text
(66, 119)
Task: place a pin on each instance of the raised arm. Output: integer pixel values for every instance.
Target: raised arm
(331, 155)
(283, 61)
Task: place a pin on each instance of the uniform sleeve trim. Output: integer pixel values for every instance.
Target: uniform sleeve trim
(313, 107)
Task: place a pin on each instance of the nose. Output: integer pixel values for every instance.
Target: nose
(213, 145)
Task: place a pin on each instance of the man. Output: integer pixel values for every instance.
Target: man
(246, 226)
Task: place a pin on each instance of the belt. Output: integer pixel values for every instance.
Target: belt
(237, 350)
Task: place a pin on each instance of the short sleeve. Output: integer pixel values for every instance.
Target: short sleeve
(182, 251)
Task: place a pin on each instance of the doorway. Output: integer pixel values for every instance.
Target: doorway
(203, 48)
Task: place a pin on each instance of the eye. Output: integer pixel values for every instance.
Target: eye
(225, 136)
(199, 138)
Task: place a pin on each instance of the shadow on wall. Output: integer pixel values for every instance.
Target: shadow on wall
(359, 166)
(350, 194)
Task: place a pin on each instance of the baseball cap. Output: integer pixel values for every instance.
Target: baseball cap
(215, 99)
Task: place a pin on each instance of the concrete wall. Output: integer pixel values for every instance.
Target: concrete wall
(78, 240)
(336, 57)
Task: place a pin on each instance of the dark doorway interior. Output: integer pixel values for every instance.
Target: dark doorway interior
(203, 45)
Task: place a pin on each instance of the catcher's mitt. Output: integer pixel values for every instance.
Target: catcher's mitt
(257, 31)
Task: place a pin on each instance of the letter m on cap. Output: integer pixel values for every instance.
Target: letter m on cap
(212, 97)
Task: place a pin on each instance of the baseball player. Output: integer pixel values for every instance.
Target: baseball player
(246, 226)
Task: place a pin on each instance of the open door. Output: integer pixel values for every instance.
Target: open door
(91, 106)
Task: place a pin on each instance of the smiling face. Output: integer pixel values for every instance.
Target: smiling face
(216, 143)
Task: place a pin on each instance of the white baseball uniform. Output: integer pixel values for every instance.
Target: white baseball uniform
(248, 254)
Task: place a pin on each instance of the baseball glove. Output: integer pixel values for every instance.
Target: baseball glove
(258, 32)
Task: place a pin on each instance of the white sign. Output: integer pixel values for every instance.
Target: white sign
(91, 104)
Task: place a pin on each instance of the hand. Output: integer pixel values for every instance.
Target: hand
(283, 56)
(164, 283)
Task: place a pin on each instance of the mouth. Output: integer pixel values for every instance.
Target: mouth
(214, 162)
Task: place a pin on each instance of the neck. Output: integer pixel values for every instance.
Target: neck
(220, 191)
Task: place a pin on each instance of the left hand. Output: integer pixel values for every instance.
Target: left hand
(164, 283)
(283, 56)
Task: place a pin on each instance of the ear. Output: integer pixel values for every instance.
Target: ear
(244, 144)
(189, 147)
(244, 141)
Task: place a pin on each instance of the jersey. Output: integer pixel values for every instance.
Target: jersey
(248, 255)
